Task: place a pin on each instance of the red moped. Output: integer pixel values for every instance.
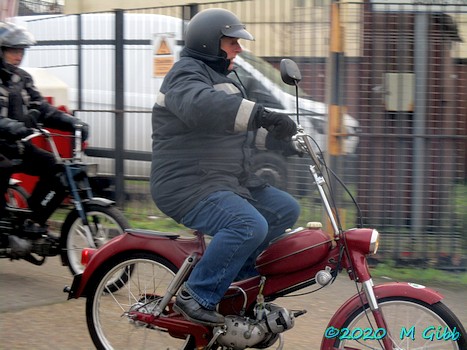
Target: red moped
(89, 222)
(130, 284)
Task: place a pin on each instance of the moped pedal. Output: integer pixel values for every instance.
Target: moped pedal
(33, 260)
(299, 313)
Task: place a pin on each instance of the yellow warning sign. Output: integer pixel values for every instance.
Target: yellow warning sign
(162, 65)
(164, 48)
(163, 58)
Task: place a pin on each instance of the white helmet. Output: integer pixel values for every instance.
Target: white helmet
(14, 36)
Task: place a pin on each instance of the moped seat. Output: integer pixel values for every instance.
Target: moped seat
(152, 233)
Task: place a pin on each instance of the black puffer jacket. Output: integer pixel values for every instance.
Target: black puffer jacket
(203, 134)
(18, 97)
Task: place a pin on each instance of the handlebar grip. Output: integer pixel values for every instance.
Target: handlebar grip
(78, 148)
(298, 146)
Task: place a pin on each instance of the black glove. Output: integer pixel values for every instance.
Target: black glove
(84, 129)
(286, 147)
(18, 131)
(12, 130)
(23, 132)
(278, 124)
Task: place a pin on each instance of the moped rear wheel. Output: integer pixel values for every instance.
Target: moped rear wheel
(107, 308)
(106, 222)
(412, 324)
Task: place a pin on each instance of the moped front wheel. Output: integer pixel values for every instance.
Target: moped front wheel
(107, 309)
(105, 223)
(411, 324)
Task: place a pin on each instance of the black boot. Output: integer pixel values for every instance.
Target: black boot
(193, 311)
(30, 227)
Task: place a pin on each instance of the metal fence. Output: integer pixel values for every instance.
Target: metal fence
(401, 75)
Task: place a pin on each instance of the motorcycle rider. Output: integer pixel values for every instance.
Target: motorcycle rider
(204, 129)
(22, 108)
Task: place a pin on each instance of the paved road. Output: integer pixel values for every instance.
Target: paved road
(34, 312)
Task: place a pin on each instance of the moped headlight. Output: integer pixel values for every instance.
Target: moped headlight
(374, 242)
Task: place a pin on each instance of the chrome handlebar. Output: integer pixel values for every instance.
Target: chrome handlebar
(302, 143)
(77, 149)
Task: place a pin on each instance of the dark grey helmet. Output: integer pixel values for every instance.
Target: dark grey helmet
(207, 27)
(14, 36)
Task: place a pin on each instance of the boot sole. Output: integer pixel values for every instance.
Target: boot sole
(177, 309)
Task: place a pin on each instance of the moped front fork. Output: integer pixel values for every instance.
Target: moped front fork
(376, 311)
(70, 173)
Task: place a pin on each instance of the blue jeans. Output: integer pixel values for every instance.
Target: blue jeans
(240, 231)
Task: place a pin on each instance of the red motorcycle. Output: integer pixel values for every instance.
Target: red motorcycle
(130, 284)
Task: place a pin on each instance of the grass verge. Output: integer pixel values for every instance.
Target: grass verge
(428, 276)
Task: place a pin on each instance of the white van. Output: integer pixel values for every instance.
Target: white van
(151, 46)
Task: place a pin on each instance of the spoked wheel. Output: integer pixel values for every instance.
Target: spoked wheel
(412, 324)
(107, 317)
(105, 224)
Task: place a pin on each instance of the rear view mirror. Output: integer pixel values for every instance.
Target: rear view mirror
(290, 72)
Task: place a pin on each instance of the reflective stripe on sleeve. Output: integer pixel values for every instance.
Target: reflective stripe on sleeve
(160, 99)
(243, 115)
(4, 112)
(228, 88)
(260, 140)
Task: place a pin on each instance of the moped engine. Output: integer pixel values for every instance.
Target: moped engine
(14, 247)
(261, 332)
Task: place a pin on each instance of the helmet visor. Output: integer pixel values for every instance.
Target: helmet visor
(237, 31)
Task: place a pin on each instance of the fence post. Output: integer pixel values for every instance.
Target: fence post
(80, 72)
(119, 108)
(419, 149)
(335, 102)
(336, 60)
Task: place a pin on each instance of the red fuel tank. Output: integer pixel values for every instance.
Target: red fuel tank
(293, 251)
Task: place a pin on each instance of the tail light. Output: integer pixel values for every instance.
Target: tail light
(86, 255)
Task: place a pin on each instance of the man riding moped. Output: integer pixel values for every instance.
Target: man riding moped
(204, 132)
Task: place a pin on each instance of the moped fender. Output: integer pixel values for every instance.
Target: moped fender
(103, 202)
(100, 201)
(170, 246)
(392, 289)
